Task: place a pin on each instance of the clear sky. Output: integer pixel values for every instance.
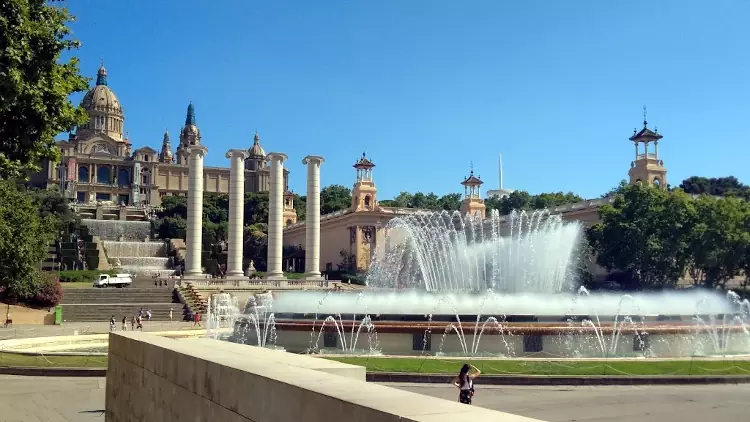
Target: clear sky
(428, 87)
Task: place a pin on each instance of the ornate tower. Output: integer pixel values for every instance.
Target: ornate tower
(647, 167)
(104, 110)
(290, 214)
(364, 193)
(165, 155)
(190, 135)
(256, 159)
(473, 203)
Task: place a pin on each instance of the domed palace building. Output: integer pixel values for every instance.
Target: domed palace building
(99, 169)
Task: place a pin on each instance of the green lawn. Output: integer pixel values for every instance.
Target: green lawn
(12, 359)
(536, 367)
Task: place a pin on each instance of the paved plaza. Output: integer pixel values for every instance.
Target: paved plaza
(41, 399)
(79, 328)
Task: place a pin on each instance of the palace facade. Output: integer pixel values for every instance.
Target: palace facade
(98, 165)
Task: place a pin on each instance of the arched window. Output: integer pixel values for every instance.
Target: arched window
(123, 177)
(103, 175)
(289, 222)
(657, 182)
(367, 201)
(83, 174)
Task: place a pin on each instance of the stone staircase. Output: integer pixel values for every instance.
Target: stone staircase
(96, 304)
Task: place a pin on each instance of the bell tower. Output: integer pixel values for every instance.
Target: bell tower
(364, 193)
(290, 214)
(647, 167)
(473, 203)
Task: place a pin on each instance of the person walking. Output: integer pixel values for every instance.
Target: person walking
(170, 314)
(8, 319)
(112, 323)
(124, 323)
(465, 382)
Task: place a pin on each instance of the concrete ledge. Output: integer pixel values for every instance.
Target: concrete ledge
(161, 379)
(561, 380)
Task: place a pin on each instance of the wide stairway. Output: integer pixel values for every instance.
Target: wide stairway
(97, 304)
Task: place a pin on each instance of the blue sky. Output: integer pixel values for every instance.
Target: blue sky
(428, 87)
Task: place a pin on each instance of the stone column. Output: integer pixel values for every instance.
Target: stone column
(237, 159)
(312, 219)
(194, 236)
(275, 215)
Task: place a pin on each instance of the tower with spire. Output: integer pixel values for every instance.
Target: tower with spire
(165, 155)
(647, 167)
(473, 204)
(190, 135)
(256, 158)
(364, 193)
(500, 192)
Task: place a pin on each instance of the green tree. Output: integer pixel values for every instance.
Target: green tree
(715, 186)
(52, 203)
(450, 202)
(35, 85)
(719, 240)
(335, 198)
(617, 189)
(24, 240)
(646, 233)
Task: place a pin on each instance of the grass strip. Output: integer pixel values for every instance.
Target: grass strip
(432, 365)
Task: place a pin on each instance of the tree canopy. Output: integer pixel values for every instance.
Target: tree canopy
(25, 236)
(34, 84)
(715, 186)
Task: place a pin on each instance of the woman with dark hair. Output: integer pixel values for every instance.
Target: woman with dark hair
(465, 382)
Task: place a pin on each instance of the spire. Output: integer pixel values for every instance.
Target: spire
(101, 75)
(165, 141)
(190, 118)
(645, 122)
(256, 138)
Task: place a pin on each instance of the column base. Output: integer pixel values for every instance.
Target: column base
(235, 274)
(313, 275)
(275, 275)
(194, 274)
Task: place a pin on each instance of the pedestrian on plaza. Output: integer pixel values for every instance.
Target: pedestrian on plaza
(139, 323)
(132, 323)
(465, 382)
(124, 323)
(197, 319)
(170, 314)
(112, 323)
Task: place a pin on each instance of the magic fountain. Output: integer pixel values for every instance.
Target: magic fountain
(448, 284)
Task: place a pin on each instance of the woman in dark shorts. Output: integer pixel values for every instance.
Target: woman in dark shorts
(465, 382)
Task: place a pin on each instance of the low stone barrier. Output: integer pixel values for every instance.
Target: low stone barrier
(161, 379)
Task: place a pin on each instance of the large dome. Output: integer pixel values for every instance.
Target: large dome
(104, 110)
(100, 97)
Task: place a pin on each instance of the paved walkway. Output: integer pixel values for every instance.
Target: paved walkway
(39, 399)
(674, 403)
(74, 328)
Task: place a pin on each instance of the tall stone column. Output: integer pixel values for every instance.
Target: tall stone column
(275, 215)
(237, 159)
(312, 219)
(194, 210)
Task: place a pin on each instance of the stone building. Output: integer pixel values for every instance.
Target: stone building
(99, 166)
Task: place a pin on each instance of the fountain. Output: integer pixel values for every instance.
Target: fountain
(118, 229)
(138, 257)
(513, 279)
(222, 312)
(257, 324)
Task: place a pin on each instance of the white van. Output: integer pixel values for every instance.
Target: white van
(117, 280)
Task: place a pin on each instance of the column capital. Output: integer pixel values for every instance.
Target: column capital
(235, 153)
(197, 149)
(313, 159)
(276, 156)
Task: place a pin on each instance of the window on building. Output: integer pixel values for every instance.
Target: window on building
(103, 175)
(330, 340)
(103, 197)
(83, 174)
(532, 343)
(80, 197)
(421, 342)
(123, 199)
(123, 178)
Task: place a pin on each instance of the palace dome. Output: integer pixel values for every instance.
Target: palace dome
(100, 98)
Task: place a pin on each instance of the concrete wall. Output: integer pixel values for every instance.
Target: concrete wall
(157, 379)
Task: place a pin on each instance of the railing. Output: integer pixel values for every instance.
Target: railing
(263, 283)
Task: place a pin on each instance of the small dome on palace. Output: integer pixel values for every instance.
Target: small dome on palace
(100, 97)
(256, 151)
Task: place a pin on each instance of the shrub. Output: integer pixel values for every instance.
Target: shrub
(81, 276)
(49, 294)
